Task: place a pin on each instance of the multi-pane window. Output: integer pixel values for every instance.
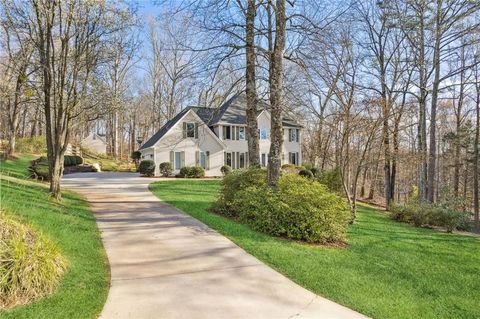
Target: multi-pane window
(293, 135)
(190, 127)
(293, 158)
(233, 132)
(203, 160)
(264, 134)
(178, 160)
(236, 159)
(241, 133)
(264, 159)
(227, 132)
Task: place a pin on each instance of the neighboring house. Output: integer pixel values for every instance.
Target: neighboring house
(213, 137)
(95, 142)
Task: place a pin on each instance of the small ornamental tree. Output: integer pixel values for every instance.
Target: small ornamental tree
(136, 156)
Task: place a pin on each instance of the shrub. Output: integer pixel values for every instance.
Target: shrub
(425, 214)
(67, 161)
(315, 171)
(289, 169)
(166, 169)
(78, 160)
(232, 184)
(225, 169)
(306, 173)
(332, 179)
(299, 209)
(39, 168)
(192, 172)
(30, 264)
(146, 168)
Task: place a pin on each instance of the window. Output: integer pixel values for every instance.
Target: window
(264, 134)
(190, 127)
(293, 158)
(203, 160)
(241, 133)
(178, 160)
(242, 160)
(228, 159)
(293, 135)
(264, 159)
(227, 133)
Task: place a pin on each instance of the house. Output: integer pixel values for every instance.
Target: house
(95, 143)
(213, 137)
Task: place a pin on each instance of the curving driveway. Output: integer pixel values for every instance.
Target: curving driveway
(166, 264)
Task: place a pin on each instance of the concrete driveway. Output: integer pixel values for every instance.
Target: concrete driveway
(166, 264)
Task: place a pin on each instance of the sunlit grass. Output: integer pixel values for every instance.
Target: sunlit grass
(70, 224)
(388, 270)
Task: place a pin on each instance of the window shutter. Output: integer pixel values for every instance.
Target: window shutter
(183, 159)
(207, 154)
(172, 158)
(224, 158)
(197, 158)
(297, 159)
(289, 134)
(196, 130)
(224, 132)
(237, 133)
(247, 160)
(298, 135)
(184, 129)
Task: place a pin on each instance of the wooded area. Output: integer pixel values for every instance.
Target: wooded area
(388, 91)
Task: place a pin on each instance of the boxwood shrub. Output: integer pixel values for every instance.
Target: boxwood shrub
(166, 169)
(147, 168)
(192, 172)
(300, 208)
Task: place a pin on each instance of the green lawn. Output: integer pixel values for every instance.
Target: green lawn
(388, 270)
(83, 289)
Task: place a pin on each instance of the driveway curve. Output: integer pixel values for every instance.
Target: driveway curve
(166, 264)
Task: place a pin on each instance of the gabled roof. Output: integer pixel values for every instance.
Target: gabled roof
(230, 112)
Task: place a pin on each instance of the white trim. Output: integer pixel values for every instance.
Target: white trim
(215, 137)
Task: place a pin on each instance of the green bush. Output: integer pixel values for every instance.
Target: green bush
(332, 179)
(232, 184)
(289, 169)
(78, 160)
(39, 168)
(146, 168)
(306, 173)
(166, 169)
(225, 169)
(192, 172)
(425, 214)
(30, 264)
(299, 208)
(315, 171)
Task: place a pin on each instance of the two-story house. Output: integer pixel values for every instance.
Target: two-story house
(213, 137)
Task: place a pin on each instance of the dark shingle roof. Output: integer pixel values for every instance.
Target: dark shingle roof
(161, 132)
(230, 112)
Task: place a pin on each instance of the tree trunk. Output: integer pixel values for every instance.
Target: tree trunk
(476, 159)
(251, 89)
(276, 95)
(432, 156)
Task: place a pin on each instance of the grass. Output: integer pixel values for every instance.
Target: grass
(16, 168)
(70, 224)
(388, 270)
